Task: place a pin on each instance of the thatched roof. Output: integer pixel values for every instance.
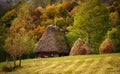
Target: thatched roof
(53, 40)
(106, 46)
(77, 48)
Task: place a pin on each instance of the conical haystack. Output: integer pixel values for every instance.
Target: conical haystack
(106, 46)
(52, 43)
(88, 49)
(77, 48)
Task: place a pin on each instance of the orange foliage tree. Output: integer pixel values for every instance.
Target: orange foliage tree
(69, 5)
(51, 11)
(37, 32)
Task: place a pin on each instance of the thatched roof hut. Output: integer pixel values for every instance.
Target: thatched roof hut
(52, 43)
(106, 46)
(77, 48)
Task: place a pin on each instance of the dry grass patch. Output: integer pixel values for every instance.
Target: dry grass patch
(83, 64)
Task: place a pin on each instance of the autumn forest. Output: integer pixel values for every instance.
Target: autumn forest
(94, 25)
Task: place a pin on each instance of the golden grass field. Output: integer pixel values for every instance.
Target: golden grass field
(83, 64)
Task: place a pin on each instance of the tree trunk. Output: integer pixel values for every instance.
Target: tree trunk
(88, 38)
(20, 61)
(14, 62)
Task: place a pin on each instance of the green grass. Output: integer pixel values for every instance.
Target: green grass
(83, 64)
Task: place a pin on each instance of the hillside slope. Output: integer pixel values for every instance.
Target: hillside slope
(85, 64)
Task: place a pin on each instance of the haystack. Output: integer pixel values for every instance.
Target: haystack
(52, 43)
(106, 46)
(77, 48)
(88, 49)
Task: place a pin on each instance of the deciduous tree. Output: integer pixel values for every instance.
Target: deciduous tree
(91, 22)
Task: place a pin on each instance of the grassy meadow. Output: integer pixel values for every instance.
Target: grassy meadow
(83, 64)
